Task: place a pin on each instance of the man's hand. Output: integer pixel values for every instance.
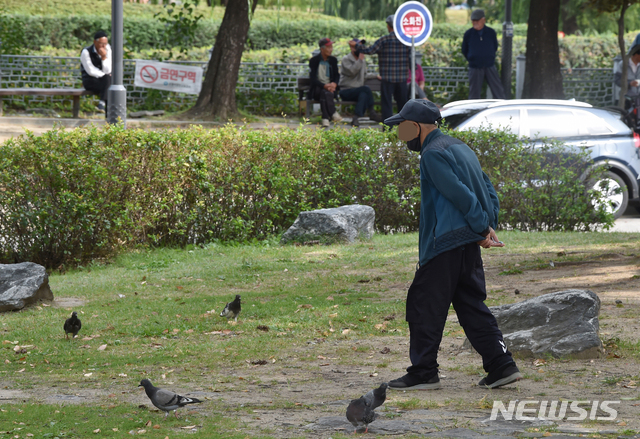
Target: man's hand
(330, 87)
(361, 56)
(634, 83)
(491, 240)
(102, 51)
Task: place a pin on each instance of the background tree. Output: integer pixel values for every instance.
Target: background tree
(217, 98)
(378, 9)
(542, 78)
(622, 7)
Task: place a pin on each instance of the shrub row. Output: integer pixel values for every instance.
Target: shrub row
(72, 196)
(142, 33)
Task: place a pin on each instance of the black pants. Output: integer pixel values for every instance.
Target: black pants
(327, 105)
(98, 85)
(477, 77)
(457, 277)
(399, 92)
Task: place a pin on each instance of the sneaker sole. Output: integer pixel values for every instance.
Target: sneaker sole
(504, 381)
(425, 386)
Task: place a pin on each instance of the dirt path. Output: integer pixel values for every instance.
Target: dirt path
(293, 398)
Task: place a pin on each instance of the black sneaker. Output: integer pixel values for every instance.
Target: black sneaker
(505, 375)
(411, 382)
(355, 122)
(101, 107)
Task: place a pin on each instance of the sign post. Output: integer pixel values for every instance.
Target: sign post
(412, 24)
(117, 94)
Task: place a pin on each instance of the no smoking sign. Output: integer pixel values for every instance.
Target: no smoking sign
(149, 74)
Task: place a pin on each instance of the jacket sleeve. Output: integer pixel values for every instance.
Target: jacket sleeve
(335, 73)
(465, 45)
(351, 66)
(313, 72)
(371, 50)
(449, 185)
(495, 42)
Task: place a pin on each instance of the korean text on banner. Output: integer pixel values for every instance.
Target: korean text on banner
(170, 77)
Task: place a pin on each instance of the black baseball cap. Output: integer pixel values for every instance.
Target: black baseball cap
(389, 20)
(635, 49)
(477, 14)
(416, 110)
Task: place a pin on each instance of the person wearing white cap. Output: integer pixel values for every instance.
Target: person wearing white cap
(458, 211)
(479, 47)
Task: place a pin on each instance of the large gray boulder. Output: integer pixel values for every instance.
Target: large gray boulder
(23, 284)
(340, 224)
(561, 324)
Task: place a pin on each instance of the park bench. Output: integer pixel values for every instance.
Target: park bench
(303, 89)
(75, 93)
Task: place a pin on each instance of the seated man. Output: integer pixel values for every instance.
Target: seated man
(352, 88)
(325, 77)
(95, 64)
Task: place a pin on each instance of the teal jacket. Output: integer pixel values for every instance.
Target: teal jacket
(458, 202)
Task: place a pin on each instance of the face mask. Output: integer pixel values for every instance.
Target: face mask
(415, 144)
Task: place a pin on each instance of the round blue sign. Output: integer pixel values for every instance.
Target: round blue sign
(412, 19)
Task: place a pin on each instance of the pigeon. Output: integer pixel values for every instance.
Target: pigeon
(361, 410)
(376, 397)
(232, 309)
(359, 413)
(72, 325)
(166, 400)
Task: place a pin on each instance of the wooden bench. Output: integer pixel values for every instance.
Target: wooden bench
(75, 93)
(303, 90)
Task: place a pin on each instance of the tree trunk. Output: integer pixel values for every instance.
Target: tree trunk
(625, 58)
(217, 99)
(569, 18)
(542, 78)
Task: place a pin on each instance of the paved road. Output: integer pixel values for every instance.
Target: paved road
(629, 222)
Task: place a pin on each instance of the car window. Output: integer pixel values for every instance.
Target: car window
(590, 124)
(507, 119)
(553, 123)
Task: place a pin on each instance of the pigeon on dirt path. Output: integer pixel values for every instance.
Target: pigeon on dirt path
(232, 309)
(361, 410)
(376, 397)
(72, 325)
(360, 413)
(166, 400)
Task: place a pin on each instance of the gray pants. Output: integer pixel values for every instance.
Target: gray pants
(477, 77)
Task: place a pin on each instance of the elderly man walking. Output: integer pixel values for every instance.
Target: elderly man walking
(479, 47)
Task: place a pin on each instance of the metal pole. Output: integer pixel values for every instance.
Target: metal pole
(413, 68)
(116, 94)
(507, 44)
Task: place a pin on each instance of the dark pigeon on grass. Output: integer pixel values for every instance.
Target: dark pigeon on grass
(361, 410)
(166, 400)
(360, 413)
(232, 309)
(72, 325)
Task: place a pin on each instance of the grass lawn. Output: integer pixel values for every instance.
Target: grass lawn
(154, 314)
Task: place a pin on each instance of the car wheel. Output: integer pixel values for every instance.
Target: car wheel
(614, 191)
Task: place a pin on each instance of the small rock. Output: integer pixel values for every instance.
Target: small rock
(517, 291)
(618, 302)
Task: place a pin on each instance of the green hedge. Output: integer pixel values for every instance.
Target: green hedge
(72, 196)
(141, 33)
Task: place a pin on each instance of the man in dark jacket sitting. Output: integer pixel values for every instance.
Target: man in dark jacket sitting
(325, 78)
(479, 47)
(458, 212)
